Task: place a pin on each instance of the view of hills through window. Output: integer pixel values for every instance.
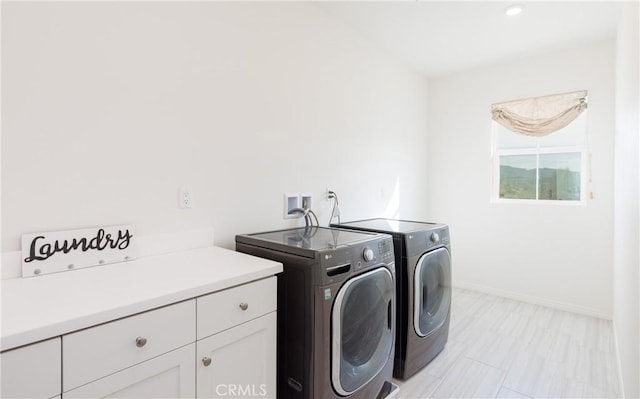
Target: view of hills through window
(550, 167)
(553, 176)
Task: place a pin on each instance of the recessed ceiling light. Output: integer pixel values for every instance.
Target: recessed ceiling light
(513, 10)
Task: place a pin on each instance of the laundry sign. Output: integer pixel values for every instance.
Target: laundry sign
(57, 251)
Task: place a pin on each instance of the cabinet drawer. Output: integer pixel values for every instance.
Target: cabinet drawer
(225, 309)
(102, 350)
(33, 371)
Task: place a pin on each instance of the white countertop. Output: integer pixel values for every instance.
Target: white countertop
(38, 308)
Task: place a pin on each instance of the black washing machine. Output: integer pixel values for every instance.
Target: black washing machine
(423, 276)
(336, 310)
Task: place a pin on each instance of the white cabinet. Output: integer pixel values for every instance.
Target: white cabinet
(32, 371)
(222, 344)
(171, 375)
(239, 362)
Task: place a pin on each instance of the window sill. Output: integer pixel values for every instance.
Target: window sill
(537, 202)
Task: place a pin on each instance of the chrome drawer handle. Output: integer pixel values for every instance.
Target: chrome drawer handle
(206, 361)
(244, 306)
(141, 341)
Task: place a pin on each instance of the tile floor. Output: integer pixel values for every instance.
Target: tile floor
(501, 348)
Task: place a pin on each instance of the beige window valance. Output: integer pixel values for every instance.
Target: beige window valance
(540, 116)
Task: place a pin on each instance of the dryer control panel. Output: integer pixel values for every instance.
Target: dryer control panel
(425, 240)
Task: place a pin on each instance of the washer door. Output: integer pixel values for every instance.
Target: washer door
(431, 291)
(362, 322)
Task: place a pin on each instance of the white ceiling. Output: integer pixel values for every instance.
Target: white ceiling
(440, 37)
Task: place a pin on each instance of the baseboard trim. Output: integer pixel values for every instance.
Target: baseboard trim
(533, 299)
(616, 348)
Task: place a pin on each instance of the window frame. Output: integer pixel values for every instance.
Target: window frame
(537, 151)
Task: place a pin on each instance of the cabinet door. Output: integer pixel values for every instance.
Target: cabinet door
(171, 375)
(38, 362)
(239, 362)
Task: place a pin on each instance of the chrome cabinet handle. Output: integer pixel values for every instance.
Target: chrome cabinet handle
(141, 341)
(244, 306)
(206, 361)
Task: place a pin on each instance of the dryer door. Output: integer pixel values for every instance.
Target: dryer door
(432, 291)
(362, 323)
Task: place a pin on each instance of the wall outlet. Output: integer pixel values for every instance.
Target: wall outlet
(291, 201)
(185, 200)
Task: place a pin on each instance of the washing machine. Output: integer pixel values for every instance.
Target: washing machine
(423, 289)
(336, 310)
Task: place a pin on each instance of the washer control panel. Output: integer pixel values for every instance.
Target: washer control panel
(340, 263)
(376, 252)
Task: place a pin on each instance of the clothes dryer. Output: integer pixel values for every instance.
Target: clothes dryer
(423, 288)
(336, 310)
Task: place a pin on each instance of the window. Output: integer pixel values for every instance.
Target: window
(542, 168)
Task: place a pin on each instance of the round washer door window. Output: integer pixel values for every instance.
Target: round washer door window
(362, 333)
(432, 291)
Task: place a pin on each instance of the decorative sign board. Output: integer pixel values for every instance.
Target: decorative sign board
(58, 251)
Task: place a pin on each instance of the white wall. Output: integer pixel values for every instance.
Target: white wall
(556, 255)
(626, 311)
(108, 108)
